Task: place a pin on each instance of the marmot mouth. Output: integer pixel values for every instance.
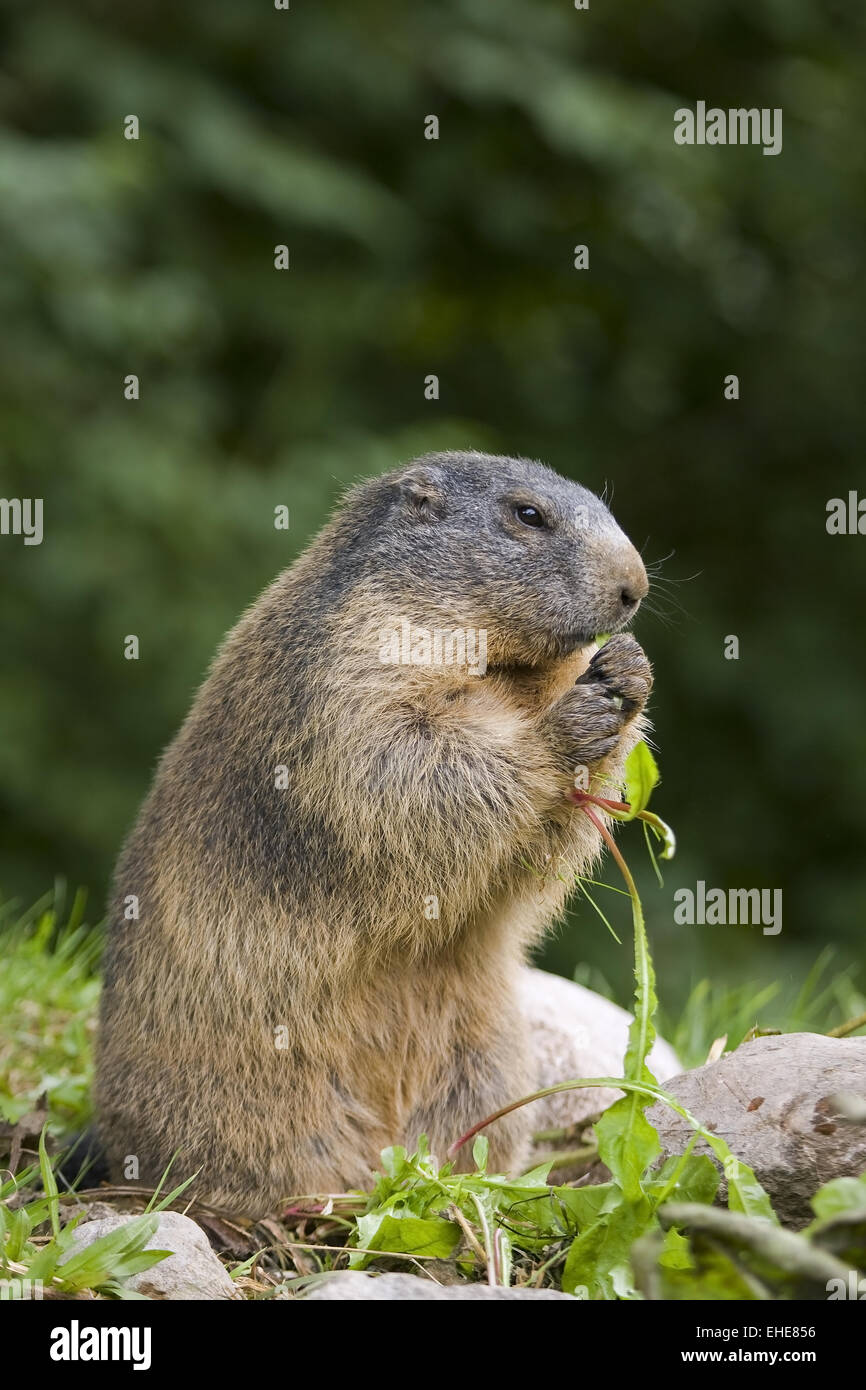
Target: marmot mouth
(573, 641)
(599, 635)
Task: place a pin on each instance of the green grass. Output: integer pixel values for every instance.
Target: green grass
(49, 990)
(36, 1245)
(826, 999)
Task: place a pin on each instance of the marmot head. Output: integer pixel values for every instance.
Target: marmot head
(503, 544)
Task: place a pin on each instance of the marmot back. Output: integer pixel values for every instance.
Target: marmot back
(360, 829)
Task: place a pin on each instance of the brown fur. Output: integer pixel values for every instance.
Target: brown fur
(303, 909)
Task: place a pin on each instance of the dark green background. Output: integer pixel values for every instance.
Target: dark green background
(409, 257)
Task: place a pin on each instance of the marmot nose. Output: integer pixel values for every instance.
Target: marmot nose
(628, 598)
(634, 585)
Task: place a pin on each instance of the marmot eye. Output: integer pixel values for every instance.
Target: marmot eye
(530, 516)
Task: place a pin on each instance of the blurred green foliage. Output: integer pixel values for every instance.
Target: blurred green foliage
(409, 257)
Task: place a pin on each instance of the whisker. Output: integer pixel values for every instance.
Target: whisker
(665, 604)
(670, 555)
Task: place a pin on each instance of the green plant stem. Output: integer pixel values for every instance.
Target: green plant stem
(845, 1028)
(565, 1158)
(642, 969)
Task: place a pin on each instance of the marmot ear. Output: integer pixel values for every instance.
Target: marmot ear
(422, 490)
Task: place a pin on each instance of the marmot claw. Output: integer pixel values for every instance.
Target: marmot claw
(592, 715)
(621, 666)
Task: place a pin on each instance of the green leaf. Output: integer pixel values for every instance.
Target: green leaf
(154, 1205)
(116, 1255)
(642, 1033)
(479, 1152)
(710, 1275)
(662, 831)
(840, 1196)
(16, 1226)
(242, 1269)
(745, 1193)
(124, 1292)
(599, 1259)
(555, 1212)
(405, 1235)
(397, 1170)
(641, 775)
(534, 1178)
(49, 1183)
(394, 1163)
(685, 1178)
(627, 1143)
(676, 1251)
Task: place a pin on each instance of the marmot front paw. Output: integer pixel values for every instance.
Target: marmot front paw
(591, 716)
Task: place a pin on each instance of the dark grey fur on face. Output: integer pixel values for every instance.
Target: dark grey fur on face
(452, 523)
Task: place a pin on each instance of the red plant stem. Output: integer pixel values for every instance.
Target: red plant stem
(614, 1082)
(586, 798)
(612, 846)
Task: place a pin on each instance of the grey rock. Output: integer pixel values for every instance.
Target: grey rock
(94, 1211)
(192, 1271)
(787, 1106)
(354, 1286)
(578, 1033)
